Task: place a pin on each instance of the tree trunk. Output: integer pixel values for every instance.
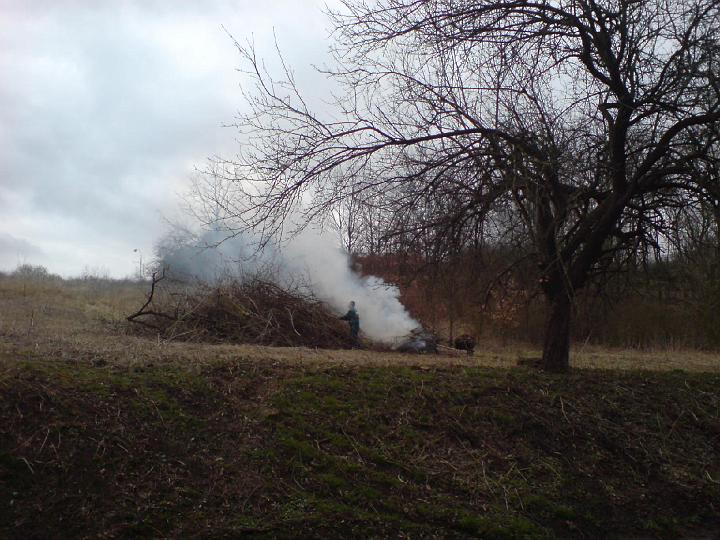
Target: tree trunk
(556, 351)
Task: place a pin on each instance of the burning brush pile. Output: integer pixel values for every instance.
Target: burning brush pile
(253, 311)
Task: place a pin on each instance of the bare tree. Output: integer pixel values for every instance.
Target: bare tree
(570, 124)
(346, 218)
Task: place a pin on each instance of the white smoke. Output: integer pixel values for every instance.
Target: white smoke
(311, 258)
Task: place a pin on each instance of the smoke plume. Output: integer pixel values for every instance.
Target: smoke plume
(310, 259)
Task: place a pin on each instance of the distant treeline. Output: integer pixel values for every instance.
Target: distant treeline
(37, 273)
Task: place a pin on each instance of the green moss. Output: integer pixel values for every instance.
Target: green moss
(665, 525)
(543, 508)
(301, 448)
(367, 495)
(333, 481)
(514, 527)
(502, 418)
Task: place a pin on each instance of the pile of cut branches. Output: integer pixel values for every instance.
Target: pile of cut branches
(253, 311)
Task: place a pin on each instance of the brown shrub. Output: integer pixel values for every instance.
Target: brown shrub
(255, 311)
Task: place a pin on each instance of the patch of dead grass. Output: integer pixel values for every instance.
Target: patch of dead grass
(85, 322)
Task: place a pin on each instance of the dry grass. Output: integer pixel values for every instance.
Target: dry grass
(653, 359)
(86, 321)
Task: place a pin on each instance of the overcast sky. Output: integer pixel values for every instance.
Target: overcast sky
(107, 106)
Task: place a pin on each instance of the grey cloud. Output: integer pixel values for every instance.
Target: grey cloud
(14, 251)
(105, 107)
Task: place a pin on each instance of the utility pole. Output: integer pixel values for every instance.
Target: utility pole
(137, 250)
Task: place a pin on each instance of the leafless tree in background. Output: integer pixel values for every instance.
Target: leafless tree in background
(571, 124)
(346, 218)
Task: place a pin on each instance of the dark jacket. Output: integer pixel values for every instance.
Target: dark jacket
(353, 320)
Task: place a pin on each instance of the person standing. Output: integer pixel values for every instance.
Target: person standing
(353, 320)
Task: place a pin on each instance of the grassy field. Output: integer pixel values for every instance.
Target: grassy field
(104, 433)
